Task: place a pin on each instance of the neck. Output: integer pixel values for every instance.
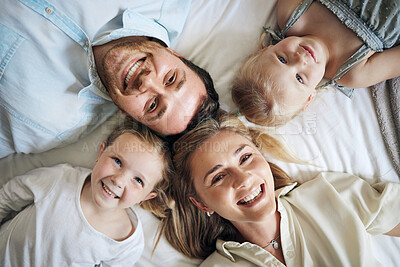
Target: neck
(260, 233)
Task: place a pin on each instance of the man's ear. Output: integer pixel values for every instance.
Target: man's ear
(201, 205)
(174, 52)
(310, 99)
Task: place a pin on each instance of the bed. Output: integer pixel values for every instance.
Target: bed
(335, 133)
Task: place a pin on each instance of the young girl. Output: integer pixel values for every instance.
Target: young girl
(229, 198)
(73, 217)
(353, 43)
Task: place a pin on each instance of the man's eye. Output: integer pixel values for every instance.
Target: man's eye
(299, 79)
(152, 106)
(117, 160)
(281, 59)
(171, 79)
(245, 158)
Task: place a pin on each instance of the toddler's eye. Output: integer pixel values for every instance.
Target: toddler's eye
(299, 79)
(118, 161)
(281, 59)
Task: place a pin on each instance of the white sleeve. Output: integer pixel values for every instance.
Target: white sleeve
(377, 205)
(25, 189)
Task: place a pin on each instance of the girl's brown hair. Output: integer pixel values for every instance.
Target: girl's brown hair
(187, 228)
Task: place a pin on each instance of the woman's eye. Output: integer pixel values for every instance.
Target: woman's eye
(217, 178)
(139, 181)
(118, 161)
(299, 79)
(171, 79)
(152, 106)
(281, 59)
(245, 158)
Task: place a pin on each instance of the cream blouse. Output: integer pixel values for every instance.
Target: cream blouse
(324, 222)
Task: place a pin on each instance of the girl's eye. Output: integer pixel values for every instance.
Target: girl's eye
(118, 161)
(245, 158)
(171, 79)
(140, 181)
(299, 79)
(217, 178)
(152, 106)
(281, 59)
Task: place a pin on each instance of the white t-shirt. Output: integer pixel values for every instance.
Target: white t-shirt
(51, 230)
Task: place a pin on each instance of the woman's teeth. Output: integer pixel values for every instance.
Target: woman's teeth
(109, 191)
(251, 198)
(132, 70)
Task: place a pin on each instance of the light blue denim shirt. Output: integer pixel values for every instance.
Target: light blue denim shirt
(50, 93)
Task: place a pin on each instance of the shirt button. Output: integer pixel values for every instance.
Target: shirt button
(49, 10)
(290, 254)
(87, 43)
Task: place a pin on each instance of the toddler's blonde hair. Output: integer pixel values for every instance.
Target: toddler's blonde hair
(257, 96)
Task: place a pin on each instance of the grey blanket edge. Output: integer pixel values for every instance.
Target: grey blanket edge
(386, 98)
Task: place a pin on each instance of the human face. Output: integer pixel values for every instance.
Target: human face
(150, 83)
(297, 65)
(232, 178)
(125, 173)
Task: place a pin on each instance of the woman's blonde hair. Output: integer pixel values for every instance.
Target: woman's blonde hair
(258, 97)
(156, 205)
(187, 228)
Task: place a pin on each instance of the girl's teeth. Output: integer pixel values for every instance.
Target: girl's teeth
(108, 191)
(132, 71)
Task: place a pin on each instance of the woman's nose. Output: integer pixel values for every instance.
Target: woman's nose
(241, 179)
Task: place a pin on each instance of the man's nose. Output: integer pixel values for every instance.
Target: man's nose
(150, 83)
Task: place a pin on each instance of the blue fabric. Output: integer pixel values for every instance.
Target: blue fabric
(50, 93)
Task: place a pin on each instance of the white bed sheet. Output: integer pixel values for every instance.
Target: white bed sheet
(335, 133)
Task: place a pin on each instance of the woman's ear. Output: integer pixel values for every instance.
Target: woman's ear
(200, 205)
(310, 99)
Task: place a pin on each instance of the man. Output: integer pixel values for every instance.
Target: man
(58, 58)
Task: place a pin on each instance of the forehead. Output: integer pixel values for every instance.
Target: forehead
(140, 157)
(223, 144)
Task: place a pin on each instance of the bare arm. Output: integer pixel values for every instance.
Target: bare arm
(395, 231)
(377, 68)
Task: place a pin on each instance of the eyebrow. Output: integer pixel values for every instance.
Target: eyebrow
(159, 115)
(181, 82)
(218, 166)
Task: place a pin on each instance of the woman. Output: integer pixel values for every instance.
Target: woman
(230, 198)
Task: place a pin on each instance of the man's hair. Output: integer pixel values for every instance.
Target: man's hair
(209, 104)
